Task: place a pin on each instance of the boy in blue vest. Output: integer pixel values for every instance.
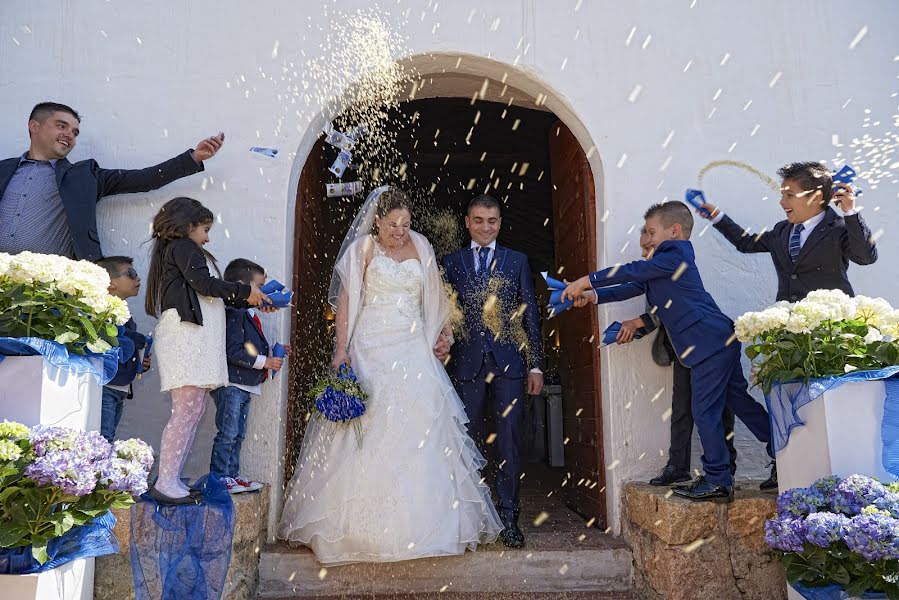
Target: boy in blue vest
(702, 336)
(249, 363)
(124, 283)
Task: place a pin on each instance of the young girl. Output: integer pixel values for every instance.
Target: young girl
(190, 336)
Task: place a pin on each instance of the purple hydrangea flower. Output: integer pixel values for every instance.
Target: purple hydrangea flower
(799, 502)
(854, 493)
(824, 528)
(65, 469)
(889, 503)
(135, 450)
(92, 446)
(47, 439)
(826, 485)
(785, 533)
(875, 537)
(120, 475)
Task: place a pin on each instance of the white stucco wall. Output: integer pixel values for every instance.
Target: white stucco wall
(150, 80)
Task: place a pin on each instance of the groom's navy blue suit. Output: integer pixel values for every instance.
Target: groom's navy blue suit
(479, 363)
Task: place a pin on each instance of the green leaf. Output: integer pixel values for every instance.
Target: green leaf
(39, 550)
(861, 585)
(89, 327)
(66, 338)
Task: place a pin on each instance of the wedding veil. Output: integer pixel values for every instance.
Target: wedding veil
(356, 251)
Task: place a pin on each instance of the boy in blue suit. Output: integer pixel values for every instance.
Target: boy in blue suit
(702, 336)
(249, 362)
(811, 249)
(493, 373)
(124, 283)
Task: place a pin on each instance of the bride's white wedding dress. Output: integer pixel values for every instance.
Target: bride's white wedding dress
(413, 488)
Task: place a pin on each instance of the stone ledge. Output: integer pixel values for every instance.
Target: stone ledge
(113, 579)
(701, 550)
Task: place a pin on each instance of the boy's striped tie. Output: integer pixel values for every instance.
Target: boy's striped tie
(794, 241)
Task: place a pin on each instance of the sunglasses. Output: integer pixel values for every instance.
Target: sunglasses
(130, 272)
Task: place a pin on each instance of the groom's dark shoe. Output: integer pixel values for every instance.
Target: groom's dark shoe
(771, 482)
(702, 490)
(511, 535)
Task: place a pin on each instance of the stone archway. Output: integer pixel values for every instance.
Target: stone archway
(575, 206)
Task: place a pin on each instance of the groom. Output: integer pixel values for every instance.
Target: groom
(494, 373)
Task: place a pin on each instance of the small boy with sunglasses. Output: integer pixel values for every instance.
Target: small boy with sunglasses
(124, 283)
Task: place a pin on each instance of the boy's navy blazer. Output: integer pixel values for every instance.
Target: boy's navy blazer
(83, 184)
(241, 334)
(127, 370)
(468, 353)
(696, 326)
(824, 258)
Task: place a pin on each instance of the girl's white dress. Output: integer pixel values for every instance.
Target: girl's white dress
(191, 354)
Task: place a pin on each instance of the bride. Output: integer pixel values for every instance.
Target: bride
(412, 489)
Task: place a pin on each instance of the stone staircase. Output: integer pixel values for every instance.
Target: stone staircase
(563, 559)
(554, 565)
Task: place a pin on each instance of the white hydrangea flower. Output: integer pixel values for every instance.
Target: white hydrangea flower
(801, 322)
(873, 311)
(890, 325)
(840, 305)
(873, 335)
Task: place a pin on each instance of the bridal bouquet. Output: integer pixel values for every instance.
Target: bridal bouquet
(826, 334)
(59, 299)
(54, 479)
(839, 532)
(340, 399)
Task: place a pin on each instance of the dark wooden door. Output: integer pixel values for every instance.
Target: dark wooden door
(574, 222)
(308, 323)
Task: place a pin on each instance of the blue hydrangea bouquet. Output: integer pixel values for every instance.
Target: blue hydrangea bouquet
(339, 398)
(839, 533)
(54, 480)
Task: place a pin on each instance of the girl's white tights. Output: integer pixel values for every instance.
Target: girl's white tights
(188, 404)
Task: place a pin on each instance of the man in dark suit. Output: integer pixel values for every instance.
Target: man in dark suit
(812, 248)
(494, 371)
(48, 205)
(702, 337)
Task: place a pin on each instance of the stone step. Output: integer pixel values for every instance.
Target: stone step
(551, 563)
(477, 596)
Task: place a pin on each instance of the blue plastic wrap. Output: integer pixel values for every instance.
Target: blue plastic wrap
(182, 552)
(86, 541)
(102, 366)
(830, 592)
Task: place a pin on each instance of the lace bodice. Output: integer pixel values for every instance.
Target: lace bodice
(395, 285)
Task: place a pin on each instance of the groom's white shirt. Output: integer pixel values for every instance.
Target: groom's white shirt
(476, 248)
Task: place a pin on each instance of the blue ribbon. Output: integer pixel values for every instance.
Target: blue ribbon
(830, 592)
(786, 399)
(103, 367)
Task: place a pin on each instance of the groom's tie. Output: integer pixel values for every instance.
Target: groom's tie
(483, 253)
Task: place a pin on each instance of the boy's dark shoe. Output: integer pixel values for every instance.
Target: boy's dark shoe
(702, 490)
(771, 482)
(669, 476)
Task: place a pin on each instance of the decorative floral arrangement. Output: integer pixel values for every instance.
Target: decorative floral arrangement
(340, 399)
(53, 479)
(59, 299)
(839, 531)
(826, 334)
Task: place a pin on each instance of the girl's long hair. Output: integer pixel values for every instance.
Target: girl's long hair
(173, 221)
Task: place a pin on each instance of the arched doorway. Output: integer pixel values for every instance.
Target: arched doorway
(528, 157)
